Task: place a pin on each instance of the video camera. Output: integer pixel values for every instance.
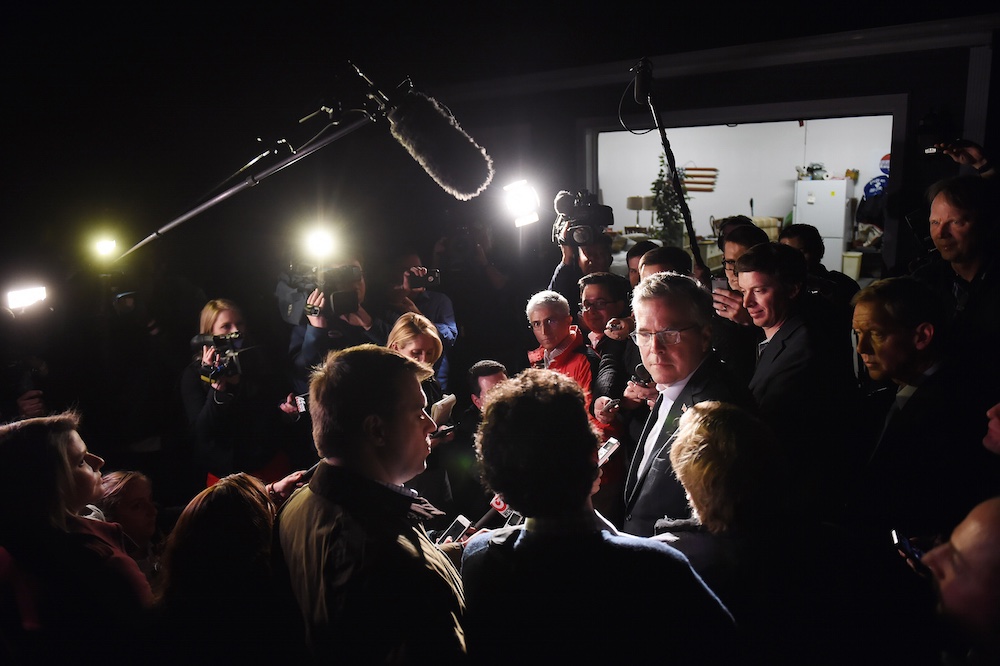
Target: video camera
(228, 348)
(337, 283)
(580, 219)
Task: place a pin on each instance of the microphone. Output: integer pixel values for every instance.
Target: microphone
(499, 507)
(643, 77)
(438, 143)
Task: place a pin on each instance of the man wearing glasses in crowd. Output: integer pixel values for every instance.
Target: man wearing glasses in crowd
(562, 345)
(673, 317)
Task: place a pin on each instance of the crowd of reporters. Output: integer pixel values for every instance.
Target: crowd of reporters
(765, 460)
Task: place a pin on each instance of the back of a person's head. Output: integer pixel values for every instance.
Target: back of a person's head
(35, 479)
(351, 385)
(221, 543)
(729, 463)
(783, 262)
(536, 444)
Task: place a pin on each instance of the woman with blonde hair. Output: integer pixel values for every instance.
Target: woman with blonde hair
(233, 403)
(416, 337)
(784, 575)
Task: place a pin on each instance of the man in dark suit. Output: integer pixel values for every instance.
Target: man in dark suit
(803, 383)
(927, 467)
(673, 317)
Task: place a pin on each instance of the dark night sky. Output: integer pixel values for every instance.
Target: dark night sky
(130, 117)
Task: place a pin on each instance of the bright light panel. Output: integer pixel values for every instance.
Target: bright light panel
(22, 298)
(525, 220)
(319, 243)
(522, 201)
(105, 247)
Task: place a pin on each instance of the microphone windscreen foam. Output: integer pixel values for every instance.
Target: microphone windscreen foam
(437, 142)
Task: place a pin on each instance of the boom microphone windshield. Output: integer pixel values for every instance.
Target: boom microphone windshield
(438, 143)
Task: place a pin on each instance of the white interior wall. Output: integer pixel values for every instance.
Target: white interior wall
(755, 160)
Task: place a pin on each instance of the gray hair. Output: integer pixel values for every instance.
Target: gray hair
(547, 298)
(674, 287)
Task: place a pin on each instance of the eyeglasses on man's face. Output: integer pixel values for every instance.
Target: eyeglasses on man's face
(668, 336)
(599, 304)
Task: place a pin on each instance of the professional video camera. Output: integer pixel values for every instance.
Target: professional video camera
(337, 283)
(580, 219)
(228, 347)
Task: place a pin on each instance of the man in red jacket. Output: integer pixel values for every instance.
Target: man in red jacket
(563, 347)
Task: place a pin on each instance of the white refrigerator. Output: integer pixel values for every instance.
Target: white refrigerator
(828, 206)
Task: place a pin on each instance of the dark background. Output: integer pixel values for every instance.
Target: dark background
(126, 119)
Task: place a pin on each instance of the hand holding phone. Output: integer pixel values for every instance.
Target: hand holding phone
(912, 554)
(606, 450)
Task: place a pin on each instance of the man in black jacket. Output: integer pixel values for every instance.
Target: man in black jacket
(803, 383)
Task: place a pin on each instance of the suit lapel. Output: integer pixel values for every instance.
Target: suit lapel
(687, 397)
(772, 350)
(900, 421)
(633, 470)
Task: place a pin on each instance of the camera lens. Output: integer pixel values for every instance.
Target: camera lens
(582, 235)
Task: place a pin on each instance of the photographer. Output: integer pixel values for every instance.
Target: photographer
(335, 319)
(232, 404)
(579, 232)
